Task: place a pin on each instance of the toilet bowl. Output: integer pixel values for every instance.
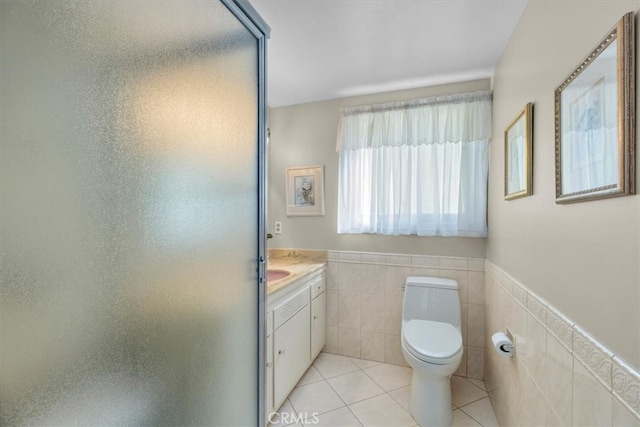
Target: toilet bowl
(431, 345)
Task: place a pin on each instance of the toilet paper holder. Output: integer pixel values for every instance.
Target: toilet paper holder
(503, 344)
(507, 347)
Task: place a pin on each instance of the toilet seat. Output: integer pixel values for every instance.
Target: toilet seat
(432, 342)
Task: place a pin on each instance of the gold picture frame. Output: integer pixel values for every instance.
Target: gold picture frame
(595, 121)
(305, 191)
(518, 155)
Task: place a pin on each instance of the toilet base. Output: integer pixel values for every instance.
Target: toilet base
(431, 401)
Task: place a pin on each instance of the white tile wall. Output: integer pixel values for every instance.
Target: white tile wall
(364, 304)
(560, 374)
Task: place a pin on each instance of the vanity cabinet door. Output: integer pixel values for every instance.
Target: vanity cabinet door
(291, 354)
(318, 324)
(269, 373)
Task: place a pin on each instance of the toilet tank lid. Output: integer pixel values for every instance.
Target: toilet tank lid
(431, 282)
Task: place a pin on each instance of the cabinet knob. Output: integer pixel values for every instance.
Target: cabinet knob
(280, 351)
(269, 365)
(315, 317)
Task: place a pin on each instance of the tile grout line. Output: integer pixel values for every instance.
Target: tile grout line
(348, 405)
(384, 391)
(473, 401)
(355, 416)
(478, 387)
(498, 275)
(388, 392)
(372, 379)
(348, 408)
(340, 397)
(479, 423)
(357, 401)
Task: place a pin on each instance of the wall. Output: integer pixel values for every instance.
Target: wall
(560, 374)
(304, 135)
(364, 304)
(579, 263)
(582, 258)
(564, 279)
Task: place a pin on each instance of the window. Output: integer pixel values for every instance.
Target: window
(417, 167)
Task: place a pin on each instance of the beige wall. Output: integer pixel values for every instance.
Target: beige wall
(304, 135)
(582, 258)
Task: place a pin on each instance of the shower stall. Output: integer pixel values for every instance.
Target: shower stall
(132, 214)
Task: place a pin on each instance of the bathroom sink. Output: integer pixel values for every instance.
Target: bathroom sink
(274, 274)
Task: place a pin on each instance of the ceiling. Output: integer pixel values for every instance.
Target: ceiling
(327, 49)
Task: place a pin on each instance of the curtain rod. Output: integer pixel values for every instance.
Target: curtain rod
(484, 95)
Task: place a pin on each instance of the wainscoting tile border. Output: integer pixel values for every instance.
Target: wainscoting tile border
(560, 327)
(616, 375)
(626, 384)
(382, 342)
(596, 358)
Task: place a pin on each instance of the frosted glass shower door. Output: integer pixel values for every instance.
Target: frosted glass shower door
(131, 171)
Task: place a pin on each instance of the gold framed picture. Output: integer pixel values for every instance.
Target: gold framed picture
(518, 155)
(595, 121)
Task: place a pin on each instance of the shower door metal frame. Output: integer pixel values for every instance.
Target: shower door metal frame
(250, 18)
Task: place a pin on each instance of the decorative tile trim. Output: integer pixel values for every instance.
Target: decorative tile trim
(509, 283)
(626, 384)
(506, 283)
(519, 294)
(537, 307)
(620, 378)
(424, 261)
(400, 260)
(594, 356)
(501, 279)
(452, 263)
(560, 327)
(491, 270)
(488, 268)
(408, 260)
(373, 258)
(476, 264)
(350, 256)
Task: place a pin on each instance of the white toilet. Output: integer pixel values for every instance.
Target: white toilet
(432, 345)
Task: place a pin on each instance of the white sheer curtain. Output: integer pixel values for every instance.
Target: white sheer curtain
(417, 167)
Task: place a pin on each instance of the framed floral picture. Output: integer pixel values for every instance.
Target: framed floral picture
(305, 191)
(595, 121)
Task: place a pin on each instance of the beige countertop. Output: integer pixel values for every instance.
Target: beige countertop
(296, 268)
(299, 263)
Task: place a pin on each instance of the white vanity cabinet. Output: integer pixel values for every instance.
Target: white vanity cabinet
(318, 317)
(298, 324)
(291, 355)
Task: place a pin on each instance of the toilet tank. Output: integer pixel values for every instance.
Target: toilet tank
(431, 298)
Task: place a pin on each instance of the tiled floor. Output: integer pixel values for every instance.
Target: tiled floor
(347, 392)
